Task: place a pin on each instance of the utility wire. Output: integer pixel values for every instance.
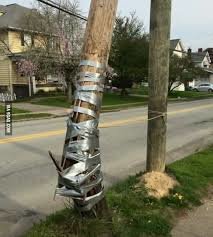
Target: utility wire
(54, 5)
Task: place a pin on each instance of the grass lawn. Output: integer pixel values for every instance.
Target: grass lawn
(31, 116)
(15, 111)
(190, 94)
(134, 214)
(140, 91)
(176, 94)
(22, 114)
(110, 101)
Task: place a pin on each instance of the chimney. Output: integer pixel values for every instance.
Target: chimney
(200, 50)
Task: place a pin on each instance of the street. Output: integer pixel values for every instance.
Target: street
(28, 177)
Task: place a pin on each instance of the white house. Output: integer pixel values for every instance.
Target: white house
(210, 51)
(178, 49)
(202, 59)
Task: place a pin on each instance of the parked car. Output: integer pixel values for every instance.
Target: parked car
(111, 88)
(207, 87)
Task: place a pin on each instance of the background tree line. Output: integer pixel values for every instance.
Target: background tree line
(58, 48)
(58, 51)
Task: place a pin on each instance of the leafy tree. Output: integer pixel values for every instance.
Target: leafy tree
(182, 70)
(129, 53)
(60, 41)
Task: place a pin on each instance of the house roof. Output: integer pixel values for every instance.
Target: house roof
(12, 15)
(174, 43)
(198, 57)
(210, 51)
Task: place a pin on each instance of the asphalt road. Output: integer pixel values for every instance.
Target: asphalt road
(28, 178)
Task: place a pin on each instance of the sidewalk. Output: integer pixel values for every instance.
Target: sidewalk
(42, 108)
(198, 223)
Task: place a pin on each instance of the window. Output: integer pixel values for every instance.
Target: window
(33, 40)
(52, 43)
(26, 39)
(57, 45)
(22, 39)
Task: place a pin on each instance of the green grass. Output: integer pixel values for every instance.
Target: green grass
(39, 95)
(140, 91)
(193, 95)
(110, 101)
(113, 101)
(52, 101)
(31, 116)
(190, 95)
(15, 111)
(19, 114)
(134, 214)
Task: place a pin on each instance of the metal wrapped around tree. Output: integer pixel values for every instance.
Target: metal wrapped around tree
(83, 148)
(80, 176)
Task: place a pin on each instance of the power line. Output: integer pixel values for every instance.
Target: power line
(54, 5)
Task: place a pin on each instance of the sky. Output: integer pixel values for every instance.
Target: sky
(191, 19)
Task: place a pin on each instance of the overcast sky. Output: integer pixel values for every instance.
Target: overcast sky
(191, 19)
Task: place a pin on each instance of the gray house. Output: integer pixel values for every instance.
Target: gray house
(202, 59)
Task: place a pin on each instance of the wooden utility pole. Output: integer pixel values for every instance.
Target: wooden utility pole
(160, 24)
(96, 48)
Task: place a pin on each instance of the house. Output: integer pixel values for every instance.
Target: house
(177, 48)
(202, 59)
(209, 78)
(210, 51)
(14, 41)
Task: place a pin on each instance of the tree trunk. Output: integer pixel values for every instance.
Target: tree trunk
(69, 91)
(186, 85)
(95, 54)
(158, 84)
(124, 92)
(30, 86)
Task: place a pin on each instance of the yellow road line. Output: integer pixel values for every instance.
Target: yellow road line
(31, 136)
(191, 109)
(144, 118)
(102, 125)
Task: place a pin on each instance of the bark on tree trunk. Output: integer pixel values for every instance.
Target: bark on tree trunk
(96, 48)
(30, 86)
(69, 91)
(158, 84)
(186, 85)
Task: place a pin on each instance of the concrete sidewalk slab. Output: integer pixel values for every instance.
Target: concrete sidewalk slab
(198, 223)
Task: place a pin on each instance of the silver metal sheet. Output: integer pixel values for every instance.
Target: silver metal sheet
(83, 147)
